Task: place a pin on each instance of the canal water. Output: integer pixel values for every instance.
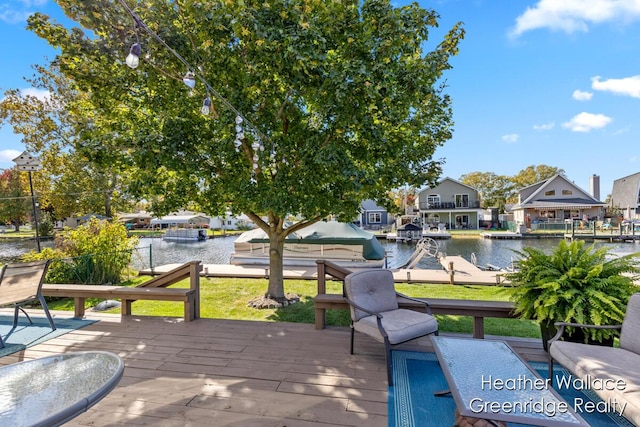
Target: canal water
(155, 251)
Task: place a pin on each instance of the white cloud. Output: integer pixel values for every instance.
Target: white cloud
(16, 11)
(575, 15)
(545, 126)
(8, 155)
(12, 16)
(628, 86)
(42, 95)
(579, 95)
(510, 138)
(586, 122)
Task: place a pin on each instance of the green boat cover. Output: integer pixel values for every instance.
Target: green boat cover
(323, 233)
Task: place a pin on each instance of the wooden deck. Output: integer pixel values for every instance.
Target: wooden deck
(235, 373)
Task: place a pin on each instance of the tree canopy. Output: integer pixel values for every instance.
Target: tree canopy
(498, 190)
(315, 105)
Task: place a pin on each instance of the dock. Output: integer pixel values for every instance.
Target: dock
(501, 235)
(464, 273)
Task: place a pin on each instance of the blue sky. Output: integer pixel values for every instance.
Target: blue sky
(553, 82)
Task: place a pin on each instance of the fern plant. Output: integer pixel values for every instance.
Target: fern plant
(575, 283)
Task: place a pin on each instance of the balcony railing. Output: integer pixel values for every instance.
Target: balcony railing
(474, 204)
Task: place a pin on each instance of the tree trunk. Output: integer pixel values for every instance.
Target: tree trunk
(276, 281)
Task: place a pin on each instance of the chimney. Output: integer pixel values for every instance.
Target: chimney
(594, 184)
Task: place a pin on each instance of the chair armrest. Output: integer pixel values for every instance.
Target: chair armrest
(378, 316)
(421, 301)
(562, 325)
(357, 307)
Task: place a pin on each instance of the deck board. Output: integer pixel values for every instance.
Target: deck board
(234, 373)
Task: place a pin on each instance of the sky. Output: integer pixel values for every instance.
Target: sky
(536, 82)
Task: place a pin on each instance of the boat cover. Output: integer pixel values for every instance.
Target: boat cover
(324, 233)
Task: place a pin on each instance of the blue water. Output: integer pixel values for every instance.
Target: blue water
(487, 251)
(218, 250)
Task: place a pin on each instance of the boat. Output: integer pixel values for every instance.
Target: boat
(185, 234)
(342, 243)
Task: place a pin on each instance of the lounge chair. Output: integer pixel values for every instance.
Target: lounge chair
(374, 309)
(21, 283)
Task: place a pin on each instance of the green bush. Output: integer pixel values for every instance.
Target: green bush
(96, 252)
(574, 284)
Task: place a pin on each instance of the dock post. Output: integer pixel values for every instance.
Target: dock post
(451, 273)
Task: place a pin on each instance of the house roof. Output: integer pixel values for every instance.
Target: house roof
(584, 201)
(371, 205)
(177, 219)
(452, 180)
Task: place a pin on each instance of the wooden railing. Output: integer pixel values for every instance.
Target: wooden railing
(478, 310)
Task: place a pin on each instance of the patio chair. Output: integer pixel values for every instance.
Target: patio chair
(21, 283)
(374, 310)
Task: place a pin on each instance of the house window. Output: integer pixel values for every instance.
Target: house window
(229, 222)
(462, 200)
(375, 218)
(433, 200)
(550, 193)
(567, 192)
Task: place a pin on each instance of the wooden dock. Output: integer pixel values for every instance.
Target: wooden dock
(464, 273)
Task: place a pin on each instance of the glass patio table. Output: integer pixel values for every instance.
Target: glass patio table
(53, 390)
(489, 380)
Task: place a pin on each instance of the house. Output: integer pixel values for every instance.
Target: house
(373, 216)
(135, 220)
(182, 219)
(555, 200)
(452, 203)
(625, 196)
(230, 222)
(78, 221)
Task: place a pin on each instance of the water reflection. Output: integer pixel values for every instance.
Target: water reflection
(218, 251)
(487, 251)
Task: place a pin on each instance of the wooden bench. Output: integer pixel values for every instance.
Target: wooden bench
(476, 309)
(154, 289)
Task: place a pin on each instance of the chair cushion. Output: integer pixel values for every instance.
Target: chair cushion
(372, 290)
(401, 325)
(597, 363)
(631, 326)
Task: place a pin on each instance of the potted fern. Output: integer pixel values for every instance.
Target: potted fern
(577, 284)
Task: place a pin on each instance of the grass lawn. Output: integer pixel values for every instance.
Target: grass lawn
(225, 298)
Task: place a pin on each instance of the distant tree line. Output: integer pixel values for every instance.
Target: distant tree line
(500, 190)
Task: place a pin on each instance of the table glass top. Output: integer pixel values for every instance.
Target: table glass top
(35, 390)
(488, 377)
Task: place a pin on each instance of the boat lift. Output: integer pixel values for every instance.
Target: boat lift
(424, 246)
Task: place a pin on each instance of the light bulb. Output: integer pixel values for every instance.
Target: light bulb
(189, 79)
(133, 59)
(206, 106)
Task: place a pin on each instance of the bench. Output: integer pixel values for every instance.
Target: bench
(476, 309)
(155, 289)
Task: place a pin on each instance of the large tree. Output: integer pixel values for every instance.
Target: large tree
(494, 189)
(535, 173)
(69, 183)
(14, 198)
(315, 106)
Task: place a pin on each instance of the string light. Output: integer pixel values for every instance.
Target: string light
(190, 78)
(206, 106)
(133, 59)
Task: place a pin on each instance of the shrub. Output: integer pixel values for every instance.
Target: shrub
(96, 252)
(574, 284)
